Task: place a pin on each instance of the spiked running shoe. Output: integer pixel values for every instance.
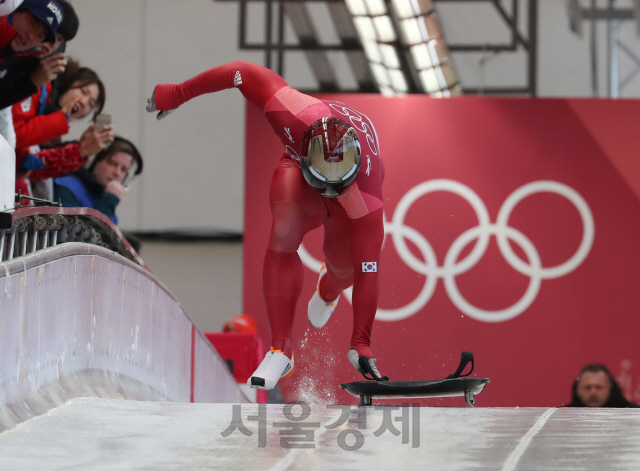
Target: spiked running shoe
(319, 310)
(364, 366)
(274, 366)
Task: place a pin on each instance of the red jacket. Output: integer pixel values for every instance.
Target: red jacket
(34, 129)
(58, 161)
(7, 33)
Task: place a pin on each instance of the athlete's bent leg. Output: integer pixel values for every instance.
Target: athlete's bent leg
(296, 209)
(337, 253)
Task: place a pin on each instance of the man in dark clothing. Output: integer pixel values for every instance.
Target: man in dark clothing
(596, 387)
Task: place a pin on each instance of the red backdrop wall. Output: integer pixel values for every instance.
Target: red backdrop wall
(512, 231)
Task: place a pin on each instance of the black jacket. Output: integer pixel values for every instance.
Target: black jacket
(15, 79)
(616, 398)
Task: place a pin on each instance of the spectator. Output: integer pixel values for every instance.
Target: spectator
(47, 114)
(31, 24)
(596, 387)
(20, 33)
(23, 75)
(102, 185)
(58, 160)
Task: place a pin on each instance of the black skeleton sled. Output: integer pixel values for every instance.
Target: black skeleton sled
(456, 384)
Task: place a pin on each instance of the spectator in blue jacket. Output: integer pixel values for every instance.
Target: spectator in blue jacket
(102, 184)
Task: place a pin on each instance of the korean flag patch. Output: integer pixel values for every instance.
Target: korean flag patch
(369, 267)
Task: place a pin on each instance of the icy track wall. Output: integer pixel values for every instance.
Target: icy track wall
(80, 320)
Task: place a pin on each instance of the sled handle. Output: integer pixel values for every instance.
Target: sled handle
(467, 357)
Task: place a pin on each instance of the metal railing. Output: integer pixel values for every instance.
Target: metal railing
(37, 228)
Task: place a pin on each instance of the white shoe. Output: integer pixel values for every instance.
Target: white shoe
(275, 365)
(364, 365)
(319, 310)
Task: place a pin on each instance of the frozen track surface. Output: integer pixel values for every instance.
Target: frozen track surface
(111, 434)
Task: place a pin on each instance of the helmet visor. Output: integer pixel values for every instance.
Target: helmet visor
(337, 164)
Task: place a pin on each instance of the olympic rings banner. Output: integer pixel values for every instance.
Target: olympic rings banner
(512, 230)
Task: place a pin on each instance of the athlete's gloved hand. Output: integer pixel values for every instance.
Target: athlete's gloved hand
(151, 107)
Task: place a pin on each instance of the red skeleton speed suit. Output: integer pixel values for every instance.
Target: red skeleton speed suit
(353, 221)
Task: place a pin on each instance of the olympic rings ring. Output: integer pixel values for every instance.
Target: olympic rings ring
(451, 267)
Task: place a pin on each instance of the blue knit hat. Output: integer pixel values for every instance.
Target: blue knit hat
(48, 11)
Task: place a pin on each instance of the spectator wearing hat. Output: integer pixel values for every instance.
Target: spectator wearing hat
(102, 185)
(21, 76)
(34, 22)
(21, 33)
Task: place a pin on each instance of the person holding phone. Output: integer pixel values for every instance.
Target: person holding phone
(45, 115)
(101, 185)
(44, 118)
(33, 22)
(22, 74)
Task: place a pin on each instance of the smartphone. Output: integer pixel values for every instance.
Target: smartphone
(61, 48)
(103, 119)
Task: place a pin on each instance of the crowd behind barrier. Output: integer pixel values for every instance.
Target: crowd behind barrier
(42, 91)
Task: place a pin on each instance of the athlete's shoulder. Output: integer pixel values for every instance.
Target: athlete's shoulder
(359, 121)
(297, 102)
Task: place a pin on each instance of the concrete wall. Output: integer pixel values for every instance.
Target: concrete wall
(205, 277)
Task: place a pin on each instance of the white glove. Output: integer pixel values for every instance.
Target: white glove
(151, 107)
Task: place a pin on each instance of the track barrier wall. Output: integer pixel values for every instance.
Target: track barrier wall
(81, 320)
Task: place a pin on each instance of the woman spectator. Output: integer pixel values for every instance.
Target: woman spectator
(46, 115)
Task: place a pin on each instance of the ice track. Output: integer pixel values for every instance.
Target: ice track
(101, 369)
(107, 434)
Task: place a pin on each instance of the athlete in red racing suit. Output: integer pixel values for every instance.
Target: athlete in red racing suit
(353, 221)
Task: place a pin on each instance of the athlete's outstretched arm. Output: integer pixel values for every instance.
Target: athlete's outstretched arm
(258, 84)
